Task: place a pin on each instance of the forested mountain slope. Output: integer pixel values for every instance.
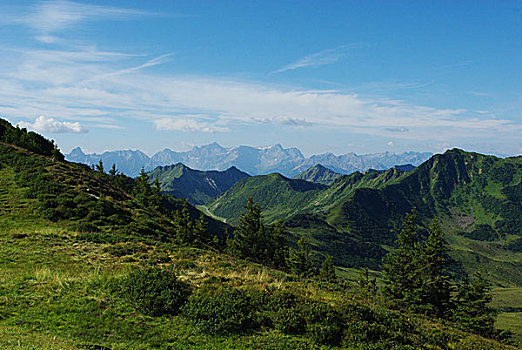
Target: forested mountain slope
(198, 187)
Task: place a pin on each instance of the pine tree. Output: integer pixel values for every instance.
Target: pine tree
(279, 244)
(433, 259)
(399, 268)
(201, 230)
(472, 311)
(142, 189)
(299, 260)
(185, 232)
(113, 172)
(367, 286)
(249, 240)
(99, 167)
(327, 272)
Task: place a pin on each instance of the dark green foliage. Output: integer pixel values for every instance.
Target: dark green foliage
(399, 269)
(482, 232)
(198, 187)
(515, 245)
(416, 274)
(220, 310)
(433, 262)
(299, 260)
(31, 141)
(252, 240)
(284, 312)
(327, 272)
(472, 312)
(324, 324)
(155, 291)
(147, 195)
(367, 285)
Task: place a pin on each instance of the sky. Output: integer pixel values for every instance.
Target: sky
(323, 76)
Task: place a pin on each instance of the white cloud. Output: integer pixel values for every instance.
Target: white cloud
(320, 58)
(189, 125)
(51, 125)
(89, 85)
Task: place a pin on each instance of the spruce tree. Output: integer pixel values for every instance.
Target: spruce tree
(399, 268)
(249, 240)
(472, 311)
(279, 245)
(433, 260)
(201, 230)
(327, 272)
(113, 172)
(299, 259)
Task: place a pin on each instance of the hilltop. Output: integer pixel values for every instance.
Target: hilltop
(198, 187)
(318, 174)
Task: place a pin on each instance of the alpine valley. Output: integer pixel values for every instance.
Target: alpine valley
(91, 258)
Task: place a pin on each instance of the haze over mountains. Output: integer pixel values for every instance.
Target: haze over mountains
(255, 161)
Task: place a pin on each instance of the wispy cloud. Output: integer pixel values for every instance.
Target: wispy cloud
(47, 18)
(320, 58)
(51, 125)
(189, 125)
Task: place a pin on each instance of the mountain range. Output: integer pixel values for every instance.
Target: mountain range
(254, 161)
(476, 198)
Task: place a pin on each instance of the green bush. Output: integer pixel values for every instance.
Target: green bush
(155, 291)
(324, 324)
(220, 310)
(285, 314)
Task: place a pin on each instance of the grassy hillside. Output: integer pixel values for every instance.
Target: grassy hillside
(198, 187)
(279, 196)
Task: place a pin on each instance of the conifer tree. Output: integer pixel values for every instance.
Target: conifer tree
(279, 245)
(433, 260)
(185, 233)
(399, 268)
(472, 312)
(99, 167)
(299, 260)
(249, 240)
(142, 188)
(113, 172)
(327, 272)
(201, 230)
(367, 285)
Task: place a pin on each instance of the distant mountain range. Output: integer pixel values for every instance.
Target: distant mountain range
(255, 161)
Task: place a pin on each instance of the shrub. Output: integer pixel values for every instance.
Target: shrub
(155, 291)
(324, 324)
(284, 313)
(220, 310)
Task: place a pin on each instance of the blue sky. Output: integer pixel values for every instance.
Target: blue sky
(324, 76)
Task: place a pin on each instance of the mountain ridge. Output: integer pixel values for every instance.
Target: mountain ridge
(252, 160)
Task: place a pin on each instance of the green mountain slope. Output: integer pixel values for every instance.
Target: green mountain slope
(318, 174)
(278, 195)
(198, 187)
(72, 241)
(477, 198)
